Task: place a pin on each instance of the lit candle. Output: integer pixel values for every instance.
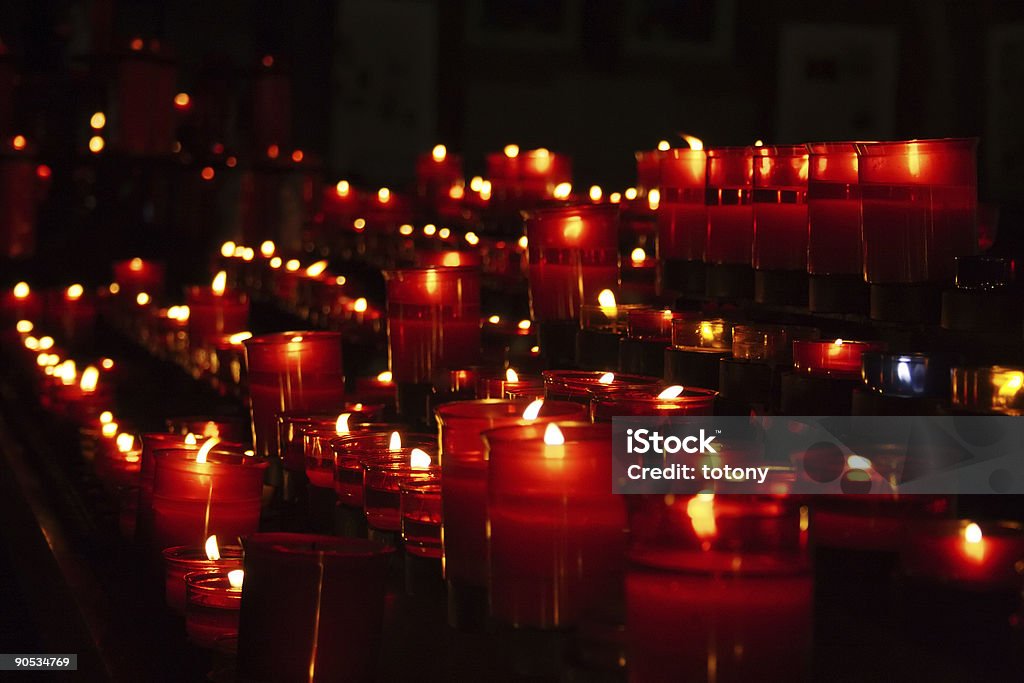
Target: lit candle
(988, 390)
(179, 561)
(461, 425)
(383, 474)
(531, 175)
(573, 256)
(212, 601)
(421, 517)
(719, 588)
(291, 371)
(582, 386)
(137, 275)
(709, 334)
(780, 223)
(769, 344)
(833, 210)
(351, 453)
(316, 438)
(909, 375)
(972, 555)
(674, 400)
(436, 172)
(511, 384)
(293, 425)
(682, 215)
(557, 533)
(839, 358)
(329, 627)
(215, 312)
(730, 219)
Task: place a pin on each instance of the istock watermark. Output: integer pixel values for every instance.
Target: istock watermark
(819, 455)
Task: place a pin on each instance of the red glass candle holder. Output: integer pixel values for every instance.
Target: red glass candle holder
(211, 608)
(573, 256)
(382, 477)
(919, 208)
(291, 371)
(615, 318)
(723, 579)
(769, 344)
(212, 316)
(838, 358)
(328, 627)
(137, 275)
(293, 424)
(461, 425)
(691, 401)
(682, 214)
(504, 386)
(421, 516)
(730, 173)
(351, 452)
(192, 500)
(780, 208)
(319, 453)
(557, 541)
(978, 556)
(530, 175)
(581, 385)
(179, 561)
(651, 324)
(230, 429)
(436, 172)
(693, 334)
(833, 210)
(433, 321)
(996, 389)
(448, 259)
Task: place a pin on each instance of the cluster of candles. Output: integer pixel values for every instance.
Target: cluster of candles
(510, 495)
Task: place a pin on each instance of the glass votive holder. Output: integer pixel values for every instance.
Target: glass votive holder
(677, 402)
(182, 560)
(769, 344)
(713, 334)
(984, 273)
(838, 358)
(421, 515)
(292, 425)
(231, 429)
(995, 389)
(514, 385)
(649, 324)
(908, 374)
(350, 452)
(211, 607)
(382, 477)
(612, 318)
(582, 385)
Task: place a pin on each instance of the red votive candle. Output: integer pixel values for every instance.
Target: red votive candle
(833, 210)
(838, 358)
(461, 425)
(583, 385)
(448, 259)
(667, 402)
(193, 499)
(375, 442)
(651, 324)
(530, 175)
(769, 344)
(231, 429)
(137, 275)
(328, 626)
(433, 321)
(682, 214)
(436, 172)
(291, 371)
(730, 213)
(573, 256)
(511, 385)
(179, 561)
(211, 608)
(920, 208)
(293, 424)
(557, 541)
(383, 475)
(780, 208)
(318, 451)
(213, 315)
(421, 516)
(718, 588)
(977, 556)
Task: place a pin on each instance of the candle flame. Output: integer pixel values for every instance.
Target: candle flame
(972, 533)
(630, 193)
(615, 197)
(360, 305)
(439, 153)
(638, 255)
(532, 411)
(553, 436)
(316, 269)
(383, 195)
(25, 326)
(511, 375)
(485, 190)
(21, 290)
(342, 188)
(974, 546)
(90, 376)
(236, 577)
(707, 332)
(125, 442)
(109, 430)
(452, 258)
(511, 151)
(190, 439)
(653, 199)
(457, 191)
(97, 120)
(385, 377)
(758, 143)
(248, 254)
(858, 462)
(395, 442)
(472, 238)
(142, 298)
(135, 264)
(701, 511)
(595, 193)
(227, 250)
(405, 230)
(494, 319)
(341, 426)
(292, 265)
(525, 324)
(523, 242)
(664, 146)
(220, 283)
(694, 142)
(419, 459)
(674, 391)
(75, 291)
(267, 248)
(903, 371)
(444, 233)
(913, 159)
(106, 417)
(212, 548)
(47, 343)
(96, 144)
(837, 342)
(476, 183)
(606, 299)
(204, 450)
(107, 363)
(276, 262)
(606, 378)
(562, 190)
(239, 337)
(1011, 384)
(429, 229)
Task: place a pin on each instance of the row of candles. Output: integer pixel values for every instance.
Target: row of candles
(522, 494)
